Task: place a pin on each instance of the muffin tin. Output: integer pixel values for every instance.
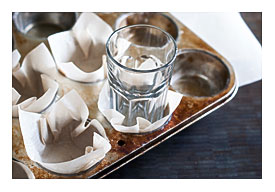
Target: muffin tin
(157, 19)
(30, 28)
(198, 73)
(201, 74)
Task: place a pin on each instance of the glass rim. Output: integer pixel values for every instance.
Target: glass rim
(167, 64)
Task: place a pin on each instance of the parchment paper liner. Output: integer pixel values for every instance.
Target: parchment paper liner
(60, 141)
(79, 53)
(33, 79)
(116, 118)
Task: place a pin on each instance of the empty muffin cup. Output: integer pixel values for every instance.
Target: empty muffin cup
(21, 171)
(151, 18)
(32, 28)
(199, 73)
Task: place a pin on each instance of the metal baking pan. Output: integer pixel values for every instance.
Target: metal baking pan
(205, 78)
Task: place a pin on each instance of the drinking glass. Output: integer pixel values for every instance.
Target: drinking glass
(140, 61)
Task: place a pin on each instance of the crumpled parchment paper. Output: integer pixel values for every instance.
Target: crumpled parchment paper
(61, 140)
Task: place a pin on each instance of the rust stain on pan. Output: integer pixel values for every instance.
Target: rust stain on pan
(125, 147)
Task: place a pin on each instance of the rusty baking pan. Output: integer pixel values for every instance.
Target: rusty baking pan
(201, 74)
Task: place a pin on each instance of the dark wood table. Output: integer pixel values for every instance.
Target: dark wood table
(225, 144)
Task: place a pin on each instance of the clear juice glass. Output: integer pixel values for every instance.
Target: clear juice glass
(140, 61)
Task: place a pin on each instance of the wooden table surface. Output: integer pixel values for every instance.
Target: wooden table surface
(225, 144)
